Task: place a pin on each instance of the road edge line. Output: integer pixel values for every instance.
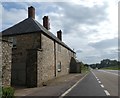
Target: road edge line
(102, 85)
(107, 93)
(67, 91)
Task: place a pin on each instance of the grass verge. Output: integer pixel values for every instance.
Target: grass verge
(111, 68)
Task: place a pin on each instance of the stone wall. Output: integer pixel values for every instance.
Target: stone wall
(46, 62)
(19, 56)
(24, 43)
(0, 62)
(63, 56)
(6, 62)
(48, 56)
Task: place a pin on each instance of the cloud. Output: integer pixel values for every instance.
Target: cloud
(85, 15)
(73, 16)
(106, 49)
(108, 43)
(0, 18)
(93, 58)
(88, 27)
(110, 55)
(12, 16)
(78, 51)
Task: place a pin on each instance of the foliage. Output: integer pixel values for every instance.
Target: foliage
(84, 67)
(112, 68)
(8, 92)
(106, 63)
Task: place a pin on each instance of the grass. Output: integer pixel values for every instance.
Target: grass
(112, 68)
(85, 69)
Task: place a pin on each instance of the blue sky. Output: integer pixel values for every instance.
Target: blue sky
(89, 27)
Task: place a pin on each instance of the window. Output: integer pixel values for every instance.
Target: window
(59, 67)
(13, 40)
(10, 39)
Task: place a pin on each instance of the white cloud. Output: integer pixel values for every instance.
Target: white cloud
(12, 16)
(82, 22)
(0, 17)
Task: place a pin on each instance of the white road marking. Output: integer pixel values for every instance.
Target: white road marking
(102, 85)
(72, 87)
(94, 74)
(107, 93)
(99, 81)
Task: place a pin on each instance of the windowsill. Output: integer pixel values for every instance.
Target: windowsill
(40, 49)
(59, 70)
(36, 49)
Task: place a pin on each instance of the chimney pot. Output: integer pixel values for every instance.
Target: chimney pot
(31, 12)
(59, 34)
(46, 22)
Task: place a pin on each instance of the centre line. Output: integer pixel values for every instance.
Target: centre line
(102, 85)
(107, 93)
(99, 81)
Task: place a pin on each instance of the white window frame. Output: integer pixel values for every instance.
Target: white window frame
(59, 67)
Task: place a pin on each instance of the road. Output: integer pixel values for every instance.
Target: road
(96, 83)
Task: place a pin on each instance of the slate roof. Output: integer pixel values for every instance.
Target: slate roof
(30, 25)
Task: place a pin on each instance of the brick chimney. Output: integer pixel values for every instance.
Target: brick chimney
(59, 34)
(31, 12)
(46, 22)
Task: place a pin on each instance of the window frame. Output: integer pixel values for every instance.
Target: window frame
(13, 40)
(59, 67)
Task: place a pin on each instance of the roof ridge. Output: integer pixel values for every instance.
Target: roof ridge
(44, 29)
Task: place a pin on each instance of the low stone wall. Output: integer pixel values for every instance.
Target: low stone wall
(6, 62)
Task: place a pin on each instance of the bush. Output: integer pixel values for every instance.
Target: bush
(8, 92)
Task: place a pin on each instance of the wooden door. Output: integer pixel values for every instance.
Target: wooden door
(31, 68)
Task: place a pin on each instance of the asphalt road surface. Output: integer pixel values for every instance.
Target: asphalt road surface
(96, 83)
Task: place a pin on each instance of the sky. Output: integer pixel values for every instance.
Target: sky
(90, 27)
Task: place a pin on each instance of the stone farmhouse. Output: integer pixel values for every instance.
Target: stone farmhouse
(37, 54)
